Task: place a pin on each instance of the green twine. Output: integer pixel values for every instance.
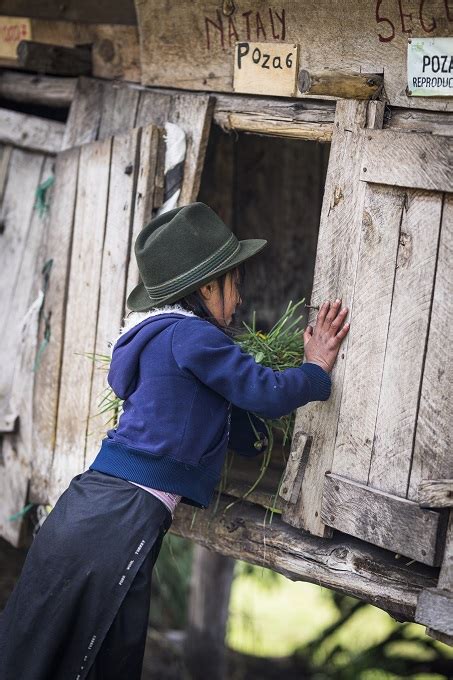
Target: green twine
(41, 202)
(46, 274)
(21, 513)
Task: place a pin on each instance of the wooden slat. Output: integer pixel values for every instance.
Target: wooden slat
(31, 89)
(383, 519)
(5, 156)
(433, 448)
(381, 218)
(123, 177)
(194, 116)
(435, 493)
(30, 132)
(82, 311)
(85, 115)
(334, 277)
(48, 376)
(149, 193)
(21, 324)
(407, 334)
(409, 160)
(342, 563)
(24, 173)
(119, 110)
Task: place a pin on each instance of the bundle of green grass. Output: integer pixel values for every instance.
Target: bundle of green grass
(280, 348)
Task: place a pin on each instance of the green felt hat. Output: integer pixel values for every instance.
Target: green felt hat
(182, 249)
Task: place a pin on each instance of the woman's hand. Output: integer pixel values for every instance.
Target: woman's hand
(322, 343)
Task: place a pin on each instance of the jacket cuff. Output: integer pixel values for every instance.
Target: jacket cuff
(320, 381)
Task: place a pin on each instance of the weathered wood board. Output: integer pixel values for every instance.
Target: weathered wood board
(100, 109)
(334, 276)
(395, 267)
(20, 300)
(107, 173)
(342, 563)
(359, 37)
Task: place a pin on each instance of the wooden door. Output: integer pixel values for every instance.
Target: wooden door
(384, 246)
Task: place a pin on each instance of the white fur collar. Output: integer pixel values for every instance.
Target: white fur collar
(134, 318)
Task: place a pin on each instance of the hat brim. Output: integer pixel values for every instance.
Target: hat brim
(139, 300)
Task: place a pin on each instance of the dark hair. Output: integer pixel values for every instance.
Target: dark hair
(194, 301)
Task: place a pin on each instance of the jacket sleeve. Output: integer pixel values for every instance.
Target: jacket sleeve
(242, 436)
(204, 351)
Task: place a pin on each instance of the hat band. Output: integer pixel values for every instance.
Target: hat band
(182, 281)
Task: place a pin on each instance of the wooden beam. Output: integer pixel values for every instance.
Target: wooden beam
(342, 562)
(402, 159)
(340, 84)
(30, 132)
(435, 493)
(37, 89)
(54, 59)
(83, 11)
(380, 518)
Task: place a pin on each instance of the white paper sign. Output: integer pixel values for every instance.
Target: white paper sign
(266, 68)
(430, 67)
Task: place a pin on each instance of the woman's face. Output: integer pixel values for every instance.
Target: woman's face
(222, 310)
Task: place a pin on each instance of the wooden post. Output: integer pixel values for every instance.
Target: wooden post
(338, 84)
(212, 576)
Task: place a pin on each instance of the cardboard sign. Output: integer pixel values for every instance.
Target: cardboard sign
(430, 67)
(266, 68)
(12, 31)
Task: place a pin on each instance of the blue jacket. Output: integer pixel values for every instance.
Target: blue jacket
(179, 376)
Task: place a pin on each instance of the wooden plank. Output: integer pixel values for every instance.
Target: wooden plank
(101, 12)
(435, 493)
(21, 320)
(432, 457)
(115, 251)
(5, 156)
(24, 173)
(435, 610)
(294, 470)
(30, 132)
(57, 252)
(343, 563)
(32, 89)
(119, 110)
(80, 323)
(406, 120)
(403, 159)
(383, 519)
(263, 125)
(332, 36)
(407, 335)
(149, 193)
(85, 115)
(446, 571)
(194, 116)
(381, 219)
(341, 219)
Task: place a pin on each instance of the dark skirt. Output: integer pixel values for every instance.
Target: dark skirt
(80, 607)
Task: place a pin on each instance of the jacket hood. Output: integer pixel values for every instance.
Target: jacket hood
(137, 330)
